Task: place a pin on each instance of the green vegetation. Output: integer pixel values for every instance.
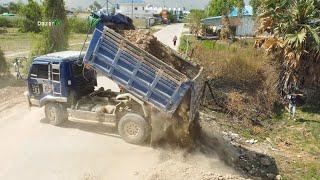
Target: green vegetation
(16, 41)
(54, 38)
(79, 25)
(246, 101)
(139, 23)
(3, 64)
(33, 13)
(8, 22)
(222, 7)
(195, 16)
(294, 144)
(11, 8)
(95, 6)
(295, 44)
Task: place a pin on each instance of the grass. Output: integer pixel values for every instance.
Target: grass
(140, 23)
(11, 81)
(298, 142)
(18, 42)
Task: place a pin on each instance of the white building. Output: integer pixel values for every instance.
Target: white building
(134, 9)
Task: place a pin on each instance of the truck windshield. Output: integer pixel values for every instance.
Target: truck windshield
(39, 71)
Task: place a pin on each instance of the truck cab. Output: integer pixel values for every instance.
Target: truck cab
(55, 77)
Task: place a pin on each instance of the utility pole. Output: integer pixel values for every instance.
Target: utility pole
(131, 9)
(108, 7)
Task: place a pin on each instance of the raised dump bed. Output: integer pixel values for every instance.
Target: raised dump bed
(143, 75)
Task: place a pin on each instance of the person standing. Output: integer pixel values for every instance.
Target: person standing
(17, 66)
(175, 38)
(292, 98)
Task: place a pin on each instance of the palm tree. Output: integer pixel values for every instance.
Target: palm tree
(294, 40)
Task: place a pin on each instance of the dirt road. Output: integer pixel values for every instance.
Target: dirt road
(31, 148)
(166, 34)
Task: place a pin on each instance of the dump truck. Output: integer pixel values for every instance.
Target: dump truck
(156, 100)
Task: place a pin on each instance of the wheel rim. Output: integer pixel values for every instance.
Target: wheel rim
(51, 114)
(131, 129)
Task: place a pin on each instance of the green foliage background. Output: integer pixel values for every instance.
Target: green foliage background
(53, 38)
(32, 13)
(3, 64)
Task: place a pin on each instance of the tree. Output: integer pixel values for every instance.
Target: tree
(295, 42)
(95, 6)
(54, 38)
(3, 64)
(256, 4)
(196, 15)
(33, 13)
(3, 9)
(223, 7)
(194, 18)
(15, 7)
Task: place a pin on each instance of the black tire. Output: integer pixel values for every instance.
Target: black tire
(133, 128)
(56, 113)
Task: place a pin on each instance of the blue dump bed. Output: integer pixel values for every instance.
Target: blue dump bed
(142, 74)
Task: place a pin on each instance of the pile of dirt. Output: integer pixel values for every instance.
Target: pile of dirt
(182, 171)
(146, 41)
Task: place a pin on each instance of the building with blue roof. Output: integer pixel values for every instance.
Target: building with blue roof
(243, 22)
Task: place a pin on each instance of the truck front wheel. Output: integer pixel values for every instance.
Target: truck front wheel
(133, 128)
(56, 113)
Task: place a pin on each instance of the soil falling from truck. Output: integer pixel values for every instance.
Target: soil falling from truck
(178, 127)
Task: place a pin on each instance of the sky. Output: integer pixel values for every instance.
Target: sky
(190, 4)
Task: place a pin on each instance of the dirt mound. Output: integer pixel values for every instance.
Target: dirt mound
(182, 171)
(146, 41)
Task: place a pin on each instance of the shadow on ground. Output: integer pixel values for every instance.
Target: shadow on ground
(10, 80)
(92, 128)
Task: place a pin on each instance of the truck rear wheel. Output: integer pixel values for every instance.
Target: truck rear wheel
(133, 128)
(56, 113)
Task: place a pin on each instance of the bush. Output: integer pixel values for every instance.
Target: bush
(242, 78)
(33, 13)
(242, 73)
(4, 69)
(78, 25)
(10, 22)
(4, 22)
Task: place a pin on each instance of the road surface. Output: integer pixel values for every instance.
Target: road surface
(32, 149)
(166, 34)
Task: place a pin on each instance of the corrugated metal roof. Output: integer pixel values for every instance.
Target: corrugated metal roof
(131, 1)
